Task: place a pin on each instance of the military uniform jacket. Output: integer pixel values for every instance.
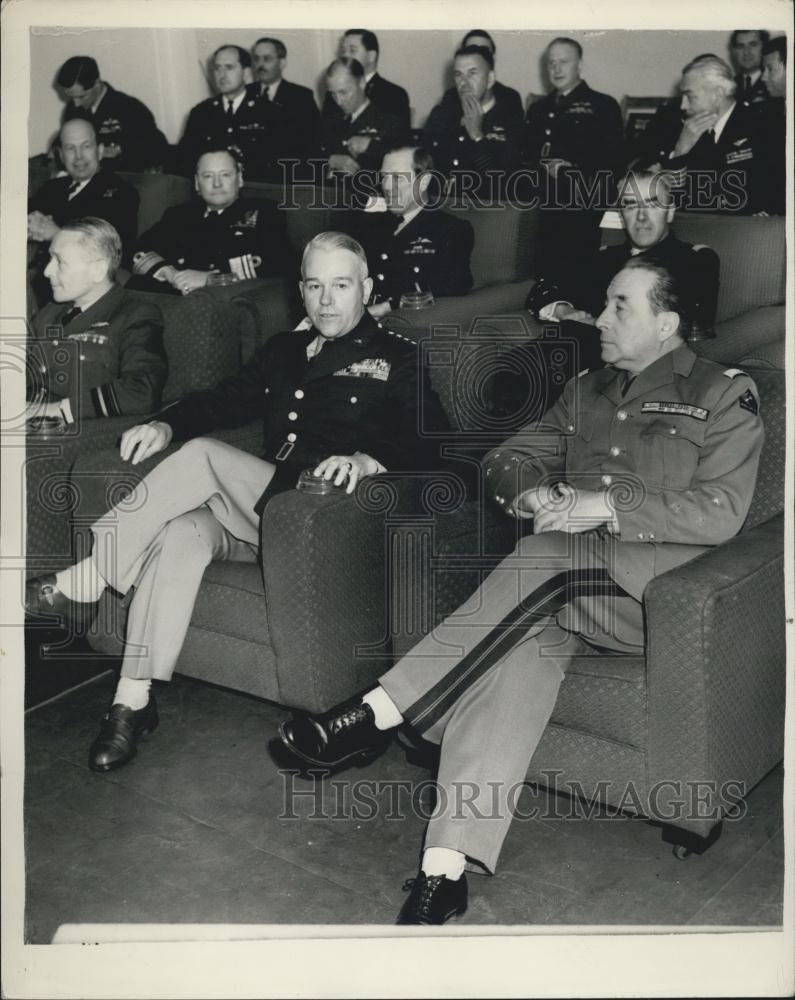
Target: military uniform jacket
(583, 127)
(128, 123)
(507, 97)
(106, 196)
(756, 94)
(678, 451)
(387, 97)
(247, 239)
(362, 392)
(696, 267)
(771, 195)
(108, 361)
(208, 124)
(431, 251)
(382, 129)
(736, 161)
(292, 120)
(453, 149)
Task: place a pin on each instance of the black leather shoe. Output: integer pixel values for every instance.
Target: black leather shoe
(345, 734)
(43, 599)
(433, 899)
(119, 733)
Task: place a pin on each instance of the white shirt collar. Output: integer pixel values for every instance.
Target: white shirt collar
(236, 101)
(359, 110)
(720, 124)
(754, 76)
(98, 101)
(368, 76)
(408, 217)
(80, 186)
(273, 87)
(485, 108)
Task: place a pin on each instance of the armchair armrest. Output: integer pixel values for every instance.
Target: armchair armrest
(461, 310)
(716, 670)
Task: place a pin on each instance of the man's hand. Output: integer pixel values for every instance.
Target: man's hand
(341, 163)
(187, 280)
(166, 273)
(379, 309)
(41, 227)
(350, 467)
(472, 119)
(529, 503)
(358, 144)
(144, 440)
(553, 166)
(575, 511)
(692, 130)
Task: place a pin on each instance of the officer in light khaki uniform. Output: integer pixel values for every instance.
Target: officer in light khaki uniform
(637, 468)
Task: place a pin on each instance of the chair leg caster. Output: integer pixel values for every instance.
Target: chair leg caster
(685, 842)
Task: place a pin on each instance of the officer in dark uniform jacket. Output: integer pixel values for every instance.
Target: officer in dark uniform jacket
(716, 140)
(746, 52)
(772, 123)
(478, 133)
(646, 205)
(412, 247)
(357, 139)
(96, 351)
(508, 98)
(362, 45)
(235, 117)
(123, 124)
(289, 111)
(219, 231)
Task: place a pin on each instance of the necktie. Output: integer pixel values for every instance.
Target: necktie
(229, 111)
(711, 135)
(397, 222)
(70, 314)
(73, 186)
(747, 86)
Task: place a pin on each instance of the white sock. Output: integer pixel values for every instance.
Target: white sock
(133, 692)
(81, 582)
(384, 709)
(443, 861)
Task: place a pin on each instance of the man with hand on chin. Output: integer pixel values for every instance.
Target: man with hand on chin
(675, 437)
(341, 397)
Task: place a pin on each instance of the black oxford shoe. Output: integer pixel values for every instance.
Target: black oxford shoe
(345, 734)
(44, 599)
(434, 899)
(119, 733)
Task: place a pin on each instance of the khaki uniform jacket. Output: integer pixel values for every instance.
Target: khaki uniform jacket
(678, 453)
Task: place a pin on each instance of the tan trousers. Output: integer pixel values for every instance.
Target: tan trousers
(197, 505)
(489, 717)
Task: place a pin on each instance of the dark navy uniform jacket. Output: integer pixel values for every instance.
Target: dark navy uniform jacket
(382, 129)
(208, 124)
(387, 96)
(108, 361)
(453, 149)
(680, 447)
(126, 122)
(248, 239)
(364, 392)
(431, 251)
(106, 196)
(583, 127)
(292, 119)
(756, 94)
(696, 267)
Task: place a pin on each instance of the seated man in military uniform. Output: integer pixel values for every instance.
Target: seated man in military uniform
(219, 232)
(638, 468)
(341, 397)
(124, 125)
(87, 188)
(95, 351)
(412, 247)
(475, 139)
(356, 139)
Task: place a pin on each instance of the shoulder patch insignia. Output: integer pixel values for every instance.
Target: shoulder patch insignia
(748, 402)
(677, 408)
(734, 372)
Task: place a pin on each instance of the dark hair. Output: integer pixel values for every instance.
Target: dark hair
(369, 38)
(78, 71)
(666, 294)
(353, 66)
(219, 147)
(476, 50)
(777, 44)
(421, 159)
(764, 36)
(243, 56)
(480, 33)
(562, 40)
(281, 48)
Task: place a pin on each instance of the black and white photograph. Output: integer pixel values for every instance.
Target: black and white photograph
(397, 499)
